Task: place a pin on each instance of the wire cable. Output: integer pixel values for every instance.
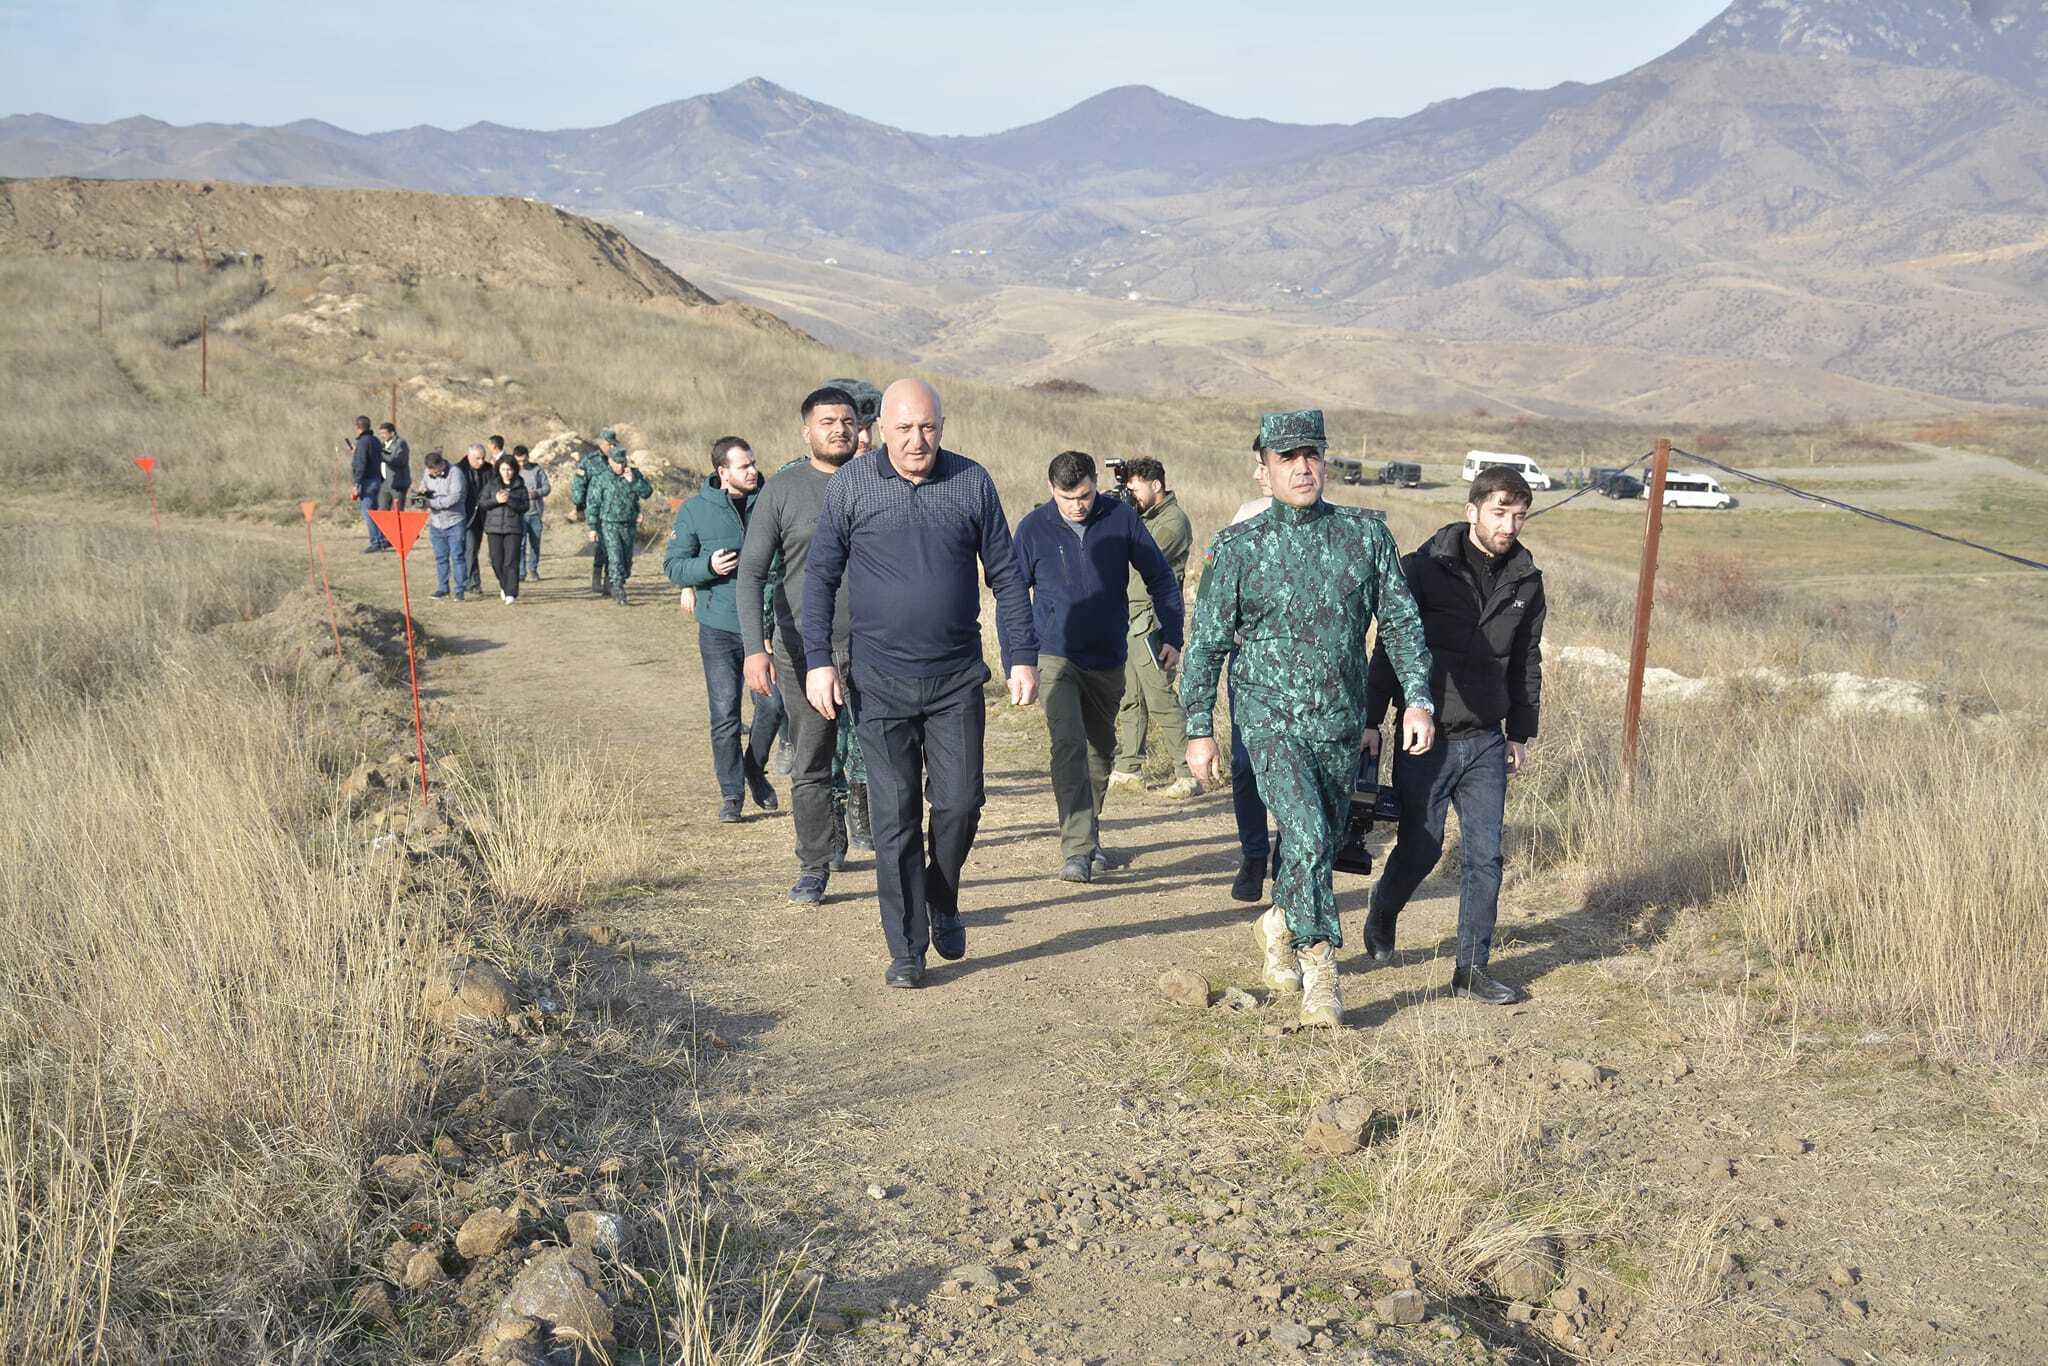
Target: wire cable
(1841, 506)
(1592, 487)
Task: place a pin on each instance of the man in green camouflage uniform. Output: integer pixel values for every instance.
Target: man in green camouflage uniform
(1295, 590)
(611, 502)
(593, 463)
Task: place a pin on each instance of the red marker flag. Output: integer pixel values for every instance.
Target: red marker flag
(333, 617)
(147, 464)
(674, 503)
(402, 528)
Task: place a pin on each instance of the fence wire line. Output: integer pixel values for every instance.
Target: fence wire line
(1642, 459)
(1879, 517)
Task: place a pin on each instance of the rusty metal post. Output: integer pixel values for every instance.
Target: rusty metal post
(202, 352)
(177, 271)
(103, 299)
(394, 405)
(202, 250)
(1646, 590)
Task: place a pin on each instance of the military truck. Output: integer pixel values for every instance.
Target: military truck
(1346, 471)
(1404, 474)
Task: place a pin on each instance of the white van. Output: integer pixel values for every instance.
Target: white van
(1682, 490)
(1476, 461)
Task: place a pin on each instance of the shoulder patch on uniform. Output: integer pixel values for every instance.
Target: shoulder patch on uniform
(1349, 510)
(1223, 537)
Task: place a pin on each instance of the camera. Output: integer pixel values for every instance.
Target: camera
(1370, 801)
(1119, 477)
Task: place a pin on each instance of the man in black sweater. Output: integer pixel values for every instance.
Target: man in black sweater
(1481, 598)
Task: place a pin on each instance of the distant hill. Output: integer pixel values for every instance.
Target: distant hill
(506, 242)
(1849, 186)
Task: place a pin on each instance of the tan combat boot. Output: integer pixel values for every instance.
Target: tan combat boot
(1322, 1000)
(1276, 941)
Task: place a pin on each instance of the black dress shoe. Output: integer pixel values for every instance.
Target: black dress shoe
(1250, 882)
(1379, 936)
(905, 972)
(1474, 984)
(729, 811)
(949, 937)
(765, 798)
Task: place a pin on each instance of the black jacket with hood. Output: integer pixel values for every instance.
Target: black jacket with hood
(1488, 650)
(506, 518)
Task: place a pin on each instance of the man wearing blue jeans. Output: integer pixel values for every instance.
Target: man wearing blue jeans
(1481, 598)
(445, 492)
(366, 475)
(538, 487)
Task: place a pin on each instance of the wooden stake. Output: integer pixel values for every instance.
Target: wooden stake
(1646, 590)
(202, 352)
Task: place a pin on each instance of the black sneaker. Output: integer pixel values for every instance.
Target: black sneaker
(949, 937)
(765, 798)
(729, 811)
(1250, 882)
(1474, 985)
(809, 889)
(905, 972)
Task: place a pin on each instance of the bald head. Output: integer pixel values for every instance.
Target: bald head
(912, 424)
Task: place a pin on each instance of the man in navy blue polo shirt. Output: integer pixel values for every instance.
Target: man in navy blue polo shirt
(1077, 550)
(908, 532)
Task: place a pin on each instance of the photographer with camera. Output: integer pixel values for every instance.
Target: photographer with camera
(1481, 598)
(1148, 682)
(445, 495)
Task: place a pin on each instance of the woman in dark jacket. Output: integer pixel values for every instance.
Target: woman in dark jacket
(476, 478)
(502, 513)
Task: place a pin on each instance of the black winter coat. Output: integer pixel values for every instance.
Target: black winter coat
(1488, 654)
(507, 517)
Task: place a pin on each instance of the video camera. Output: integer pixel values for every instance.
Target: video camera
(1369, 802)
(1119, 476)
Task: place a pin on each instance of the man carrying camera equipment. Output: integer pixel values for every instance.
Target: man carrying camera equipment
(773, 560)
(445, 495)
(1148, 683)
(1294, 591)
(1078, 550)
(1481, 598)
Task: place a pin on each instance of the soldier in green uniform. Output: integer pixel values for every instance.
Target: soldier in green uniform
(1295, 590)
(611, 502)
(592, 463)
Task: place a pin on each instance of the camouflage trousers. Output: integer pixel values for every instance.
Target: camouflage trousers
(1306, 784)
(847, 764)
(615, 550)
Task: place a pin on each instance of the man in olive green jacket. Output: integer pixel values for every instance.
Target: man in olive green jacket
(1148, 686)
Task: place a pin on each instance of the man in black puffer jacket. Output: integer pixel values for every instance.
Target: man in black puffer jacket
(1481, 598)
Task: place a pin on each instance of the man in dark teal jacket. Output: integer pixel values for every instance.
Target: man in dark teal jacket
(704, 554)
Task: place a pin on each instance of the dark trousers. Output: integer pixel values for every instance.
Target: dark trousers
(922, 738)
(391, 496)
(1080, 708)
(371, 488)
(530, 565)
(1252, 842)
(473, 547)
(505, 560)
(1470, 773)
(813, 741)
(738, 767)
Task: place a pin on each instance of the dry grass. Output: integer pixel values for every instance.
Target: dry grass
(549, 826)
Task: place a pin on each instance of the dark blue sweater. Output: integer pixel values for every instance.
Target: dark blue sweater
(906, 556)
(1078, 583)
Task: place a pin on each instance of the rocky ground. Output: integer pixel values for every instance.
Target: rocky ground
(1053, 1152)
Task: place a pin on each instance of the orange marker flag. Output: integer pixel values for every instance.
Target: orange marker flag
(674, 503)
(147, 464)
(402, 528)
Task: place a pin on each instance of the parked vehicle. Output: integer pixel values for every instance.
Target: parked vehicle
(1402, 474)
(1619, 485)
(1346, 471)
(1683, 490)
(1476, 461)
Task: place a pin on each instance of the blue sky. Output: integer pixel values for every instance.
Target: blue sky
(371, 65)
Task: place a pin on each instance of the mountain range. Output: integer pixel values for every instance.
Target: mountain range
(1853, 186)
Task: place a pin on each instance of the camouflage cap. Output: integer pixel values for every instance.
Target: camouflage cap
(609, 435)
(1291, 431)
(867, 399)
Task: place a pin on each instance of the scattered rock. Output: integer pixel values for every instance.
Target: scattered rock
(401, 1174)
(1215, 1259)
(1286, 1334)
(1854, 1309)
(1792, 1145)
(422, 1269)
(1237, 998)
(1578, 1072)
(1679, 1068)
(602, 1232)
(559, 1288)
(1529, 1272)
(518, 1107)
(1337, 1127)
(486, 1233)
(969, 1279)
(1184, 988)
(460, 987)
(1843, 1275)
(1402, 1307)
(877, 1191)
(371, 1302)
(1400, 1270)
(1518, 1312)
